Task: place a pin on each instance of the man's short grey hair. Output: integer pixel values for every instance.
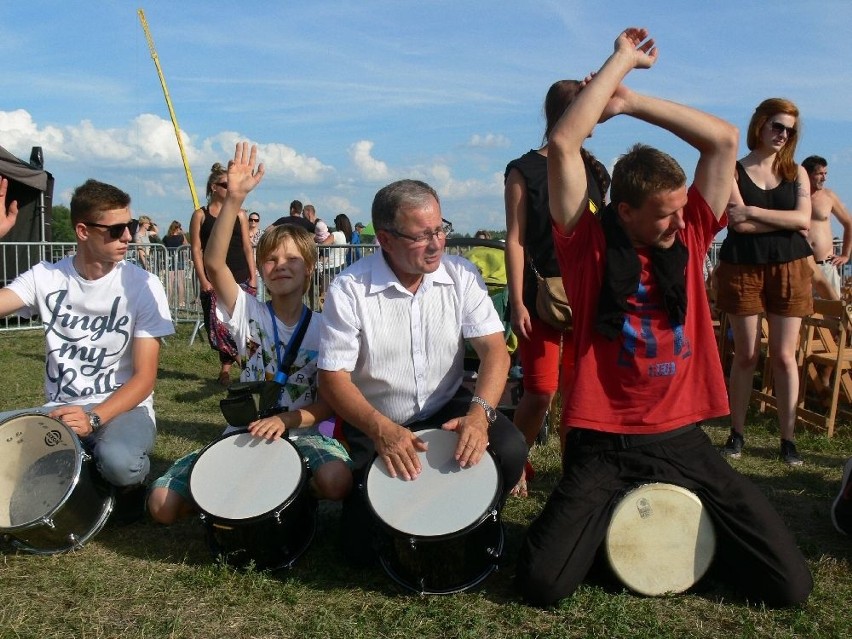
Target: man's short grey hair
(399, 196)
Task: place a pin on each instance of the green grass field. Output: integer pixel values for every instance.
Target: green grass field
(145, 580)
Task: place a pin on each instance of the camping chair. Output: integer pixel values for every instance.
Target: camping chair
(824, 343)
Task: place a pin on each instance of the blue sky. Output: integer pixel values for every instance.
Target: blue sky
(344, 97)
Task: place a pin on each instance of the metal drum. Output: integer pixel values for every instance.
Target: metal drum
(50, 498)
(440, 533)
(253, 498)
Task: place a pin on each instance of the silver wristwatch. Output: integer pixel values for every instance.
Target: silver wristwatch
(490, 413)
(94, 420)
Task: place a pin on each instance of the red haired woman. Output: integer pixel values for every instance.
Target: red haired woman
(764, 266)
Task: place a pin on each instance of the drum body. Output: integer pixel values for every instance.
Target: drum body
(660, 539)
(440, 533)
(51, 499)
(253, 498)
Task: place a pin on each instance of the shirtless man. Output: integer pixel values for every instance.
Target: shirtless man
(825, 202)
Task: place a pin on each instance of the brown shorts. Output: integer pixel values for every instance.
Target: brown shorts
(780, 289)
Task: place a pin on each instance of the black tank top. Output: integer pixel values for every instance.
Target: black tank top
(774, 247)
(236, 257)
(538, 238)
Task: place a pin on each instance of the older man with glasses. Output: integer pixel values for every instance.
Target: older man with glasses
(393, 348)
(103, 319)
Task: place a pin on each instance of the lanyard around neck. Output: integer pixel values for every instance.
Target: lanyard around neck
(281, 374)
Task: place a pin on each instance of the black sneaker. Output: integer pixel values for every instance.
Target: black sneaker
(841, 509)
(734, 446)
(789, 454)
(129, 505)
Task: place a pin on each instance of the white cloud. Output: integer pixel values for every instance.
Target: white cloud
(19, 133)
(488, 141)
(149, 141)
(440, 177)
(283, 161)
(368, 167)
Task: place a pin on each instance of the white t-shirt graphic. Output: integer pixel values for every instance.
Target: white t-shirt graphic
(90, 325)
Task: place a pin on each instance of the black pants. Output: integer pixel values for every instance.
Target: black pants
(755, 549)
(504, 440)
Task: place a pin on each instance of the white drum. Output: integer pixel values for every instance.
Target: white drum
(441, 533)
(660, 539)
(50, 498)
(253, 498)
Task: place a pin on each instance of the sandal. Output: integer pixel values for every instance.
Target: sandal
(520, 489)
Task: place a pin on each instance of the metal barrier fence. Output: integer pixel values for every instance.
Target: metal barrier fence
(175, 269)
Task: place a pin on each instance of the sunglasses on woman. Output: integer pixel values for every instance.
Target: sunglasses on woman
(779, 128)
(116, 231)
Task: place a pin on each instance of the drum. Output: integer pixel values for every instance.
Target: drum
(440, 533)
(253, 498)
(660, 539)
(51, 498)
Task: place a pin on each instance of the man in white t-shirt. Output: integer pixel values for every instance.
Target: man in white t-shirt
(392, 350)
(103, 319)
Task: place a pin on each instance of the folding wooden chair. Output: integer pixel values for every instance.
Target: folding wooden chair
(824, 343)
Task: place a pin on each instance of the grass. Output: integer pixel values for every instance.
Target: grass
(145, 580)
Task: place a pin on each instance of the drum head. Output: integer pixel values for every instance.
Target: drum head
(242, 476)
(443, 500)
(660, 539)
(41, 461)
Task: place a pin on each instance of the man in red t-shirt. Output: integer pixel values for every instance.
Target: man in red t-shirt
(646, 364)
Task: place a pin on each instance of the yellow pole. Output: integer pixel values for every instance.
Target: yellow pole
(169, 105)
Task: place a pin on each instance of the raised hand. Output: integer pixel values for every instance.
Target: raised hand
(243, 176)
(8, 215)
(635, 40)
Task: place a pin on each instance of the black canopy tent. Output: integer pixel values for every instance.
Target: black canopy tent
(32, 187)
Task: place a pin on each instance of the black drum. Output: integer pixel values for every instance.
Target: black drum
(253, 498)
(51, 499)
(440, 533)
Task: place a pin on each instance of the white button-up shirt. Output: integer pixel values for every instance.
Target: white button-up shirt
(404, 350)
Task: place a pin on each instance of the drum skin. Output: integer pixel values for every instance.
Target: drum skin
(440, 533)
(51, 498)
(660, 539)
(253, 499)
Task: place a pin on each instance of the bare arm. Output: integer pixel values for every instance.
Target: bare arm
(195, 250)
(565, 170)
(839, 211)
(395, 444)
(490, 381)
(515, 197)
(715, 140)
(242, 178)
(9, 301)
(753, 219)
(274, 427)
(248, 250)
(146, 358)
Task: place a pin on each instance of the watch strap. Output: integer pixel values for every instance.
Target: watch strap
(490, 412)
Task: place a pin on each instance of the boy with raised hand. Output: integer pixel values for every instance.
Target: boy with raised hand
(286, 258)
